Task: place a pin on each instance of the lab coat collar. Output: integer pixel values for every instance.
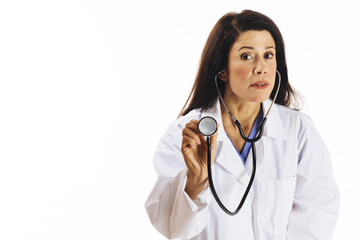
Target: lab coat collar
(273, 126)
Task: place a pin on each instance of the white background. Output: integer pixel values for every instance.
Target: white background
(88, 87)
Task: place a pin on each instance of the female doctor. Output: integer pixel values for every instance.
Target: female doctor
(294, 195)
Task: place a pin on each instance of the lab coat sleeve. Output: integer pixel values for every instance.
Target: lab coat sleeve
(316, 201)
(169, 208)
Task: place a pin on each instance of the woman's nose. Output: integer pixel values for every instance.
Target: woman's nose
(260, 67)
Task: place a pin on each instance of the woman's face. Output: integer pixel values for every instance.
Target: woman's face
(251, 67)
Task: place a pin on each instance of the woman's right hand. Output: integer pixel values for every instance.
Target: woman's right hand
(194, 151)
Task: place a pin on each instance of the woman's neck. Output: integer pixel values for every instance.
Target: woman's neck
(244, 111)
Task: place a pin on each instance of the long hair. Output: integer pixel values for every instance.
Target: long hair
(215, 56)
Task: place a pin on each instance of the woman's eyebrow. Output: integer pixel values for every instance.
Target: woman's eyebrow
(252, 48)
(270, 47)
(246, 47)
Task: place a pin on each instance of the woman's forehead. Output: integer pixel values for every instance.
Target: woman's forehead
(253, 39)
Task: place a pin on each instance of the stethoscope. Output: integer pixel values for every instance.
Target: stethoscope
(208, 126)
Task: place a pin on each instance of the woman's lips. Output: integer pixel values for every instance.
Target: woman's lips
(260, 84)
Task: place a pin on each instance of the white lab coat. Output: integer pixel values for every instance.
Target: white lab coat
(294, 195)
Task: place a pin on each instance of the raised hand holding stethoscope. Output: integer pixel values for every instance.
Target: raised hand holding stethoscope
(194, 150)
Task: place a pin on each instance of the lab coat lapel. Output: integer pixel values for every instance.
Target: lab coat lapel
(229, 159)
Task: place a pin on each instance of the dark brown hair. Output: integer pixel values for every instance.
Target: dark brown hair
(215, 55)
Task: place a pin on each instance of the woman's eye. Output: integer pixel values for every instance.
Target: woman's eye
(269, 55)
(246, 56)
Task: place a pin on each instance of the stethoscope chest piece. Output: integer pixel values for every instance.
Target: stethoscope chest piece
(207, 126)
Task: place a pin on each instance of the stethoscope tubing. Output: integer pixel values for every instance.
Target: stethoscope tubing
(257, 138)
(211, 183)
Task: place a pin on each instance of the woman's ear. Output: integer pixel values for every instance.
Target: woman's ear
(223, 75)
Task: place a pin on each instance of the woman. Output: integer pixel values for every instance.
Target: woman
(294, 194)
